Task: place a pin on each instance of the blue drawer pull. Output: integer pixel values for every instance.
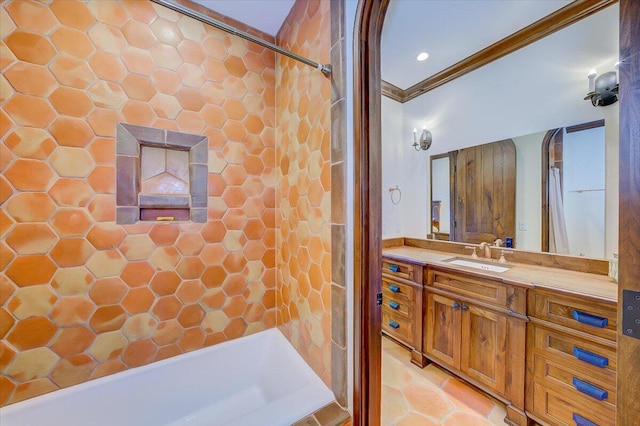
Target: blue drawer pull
(590, 357)
(394, 324)
(394, 305)
(589, 389)
(589, 319)
(581, 421)
(394, 288)
(394, 268)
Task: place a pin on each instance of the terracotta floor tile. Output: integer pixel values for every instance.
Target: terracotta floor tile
(413, 419)
(468, 396)
(394, 406)
(430, 396)
(394, 373)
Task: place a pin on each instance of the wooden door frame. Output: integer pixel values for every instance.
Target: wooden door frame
(628, 387)
(367, 216)
(367, 325)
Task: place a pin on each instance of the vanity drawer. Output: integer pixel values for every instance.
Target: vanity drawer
(483, 290)
(400, 292)
(595, 318)
(558, 408)
(397, 326)
(398, 306)
(591, 358)
(398, 269)
(575, 384)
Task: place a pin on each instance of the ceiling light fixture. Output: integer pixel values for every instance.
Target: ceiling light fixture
(422, 56)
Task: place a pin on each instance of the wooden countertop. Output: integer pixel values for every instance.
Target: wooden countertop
(599, 287)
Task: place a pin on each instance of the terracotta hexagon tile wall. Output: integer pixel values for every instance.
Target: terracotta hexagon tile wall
(99, 284)
(300, 156)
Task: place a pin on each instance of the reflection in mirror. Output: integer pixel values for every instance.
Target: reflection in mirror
(440, 197)
(576, 191)
(571, 220)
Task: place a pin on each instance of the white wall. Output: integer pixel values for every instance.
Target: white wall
(392, 174)
(529, 191)
(612, 179)
(583, 176)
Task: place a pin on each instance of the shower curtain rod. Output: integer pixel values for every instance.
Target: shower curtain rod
(325, 69)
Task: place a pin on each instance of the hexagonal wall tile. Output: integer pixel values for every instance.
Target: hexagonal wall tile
(72, 42)
(71, 252)
(72, 72)
(70, 101)
(32, 16)
(30, 207)
(32, 364)
(72, 310)
(30, 142)
(30, 111)
(71, 162)
(31, 270)
(71, 222)
(32, 333)
(107, 318)
(108, 291)
(106, 263)
(72, 281)
(70, 192)
(30, 47)
(31, 79)
(33, 301)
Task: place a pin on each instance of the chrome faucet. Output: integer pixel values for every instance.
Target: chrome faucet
(487, 249)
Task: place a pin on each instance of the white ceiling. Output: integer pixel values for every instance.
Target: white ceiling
(449, 30)
(265, 15)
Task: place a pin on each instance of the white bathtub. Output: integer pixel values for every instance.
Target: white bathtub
(252, 381)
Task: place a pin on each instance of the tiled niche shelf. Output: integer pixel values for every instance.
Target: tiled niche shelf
(160, 174)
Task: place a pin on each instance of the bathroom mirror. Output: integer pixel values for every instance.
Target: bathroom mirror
(562, 173)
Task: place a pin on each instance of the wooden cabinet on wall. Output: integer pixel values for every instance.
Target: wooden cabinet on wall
(402, 305)
(571, 360)
(476, 327)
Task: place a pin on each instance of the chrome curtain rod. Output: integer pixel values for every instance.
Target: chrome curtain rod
(325, 69)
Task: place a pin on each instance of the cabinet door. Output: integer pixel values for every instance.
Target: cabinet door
(484, 346)
(442, 339)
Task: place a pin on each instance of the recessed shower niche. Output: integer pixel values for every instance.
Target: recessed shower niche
(161, 175)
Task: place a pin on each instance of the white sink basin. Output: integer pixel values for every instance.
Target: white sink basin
(485, 266)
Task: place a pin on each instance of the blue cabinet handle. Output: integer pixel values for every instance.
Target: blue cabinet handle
(456, 305)
(589, 389)
(394, 324)
(589, 319)
(394, 305)
(394, 288)
(581, 421)
(590, 357)
(394, 268)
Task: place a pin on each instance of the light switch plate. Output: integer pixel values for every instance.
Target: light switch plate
(631, 313)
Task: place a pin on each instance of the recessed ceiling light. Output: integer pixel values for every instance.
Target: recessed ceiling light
(423, 56)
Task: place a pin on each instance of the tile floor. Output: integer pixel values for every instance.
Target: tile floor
(425, 397)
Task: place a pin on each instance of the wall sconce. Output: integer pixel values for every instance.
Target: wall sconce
(603, 90)
(425, 139)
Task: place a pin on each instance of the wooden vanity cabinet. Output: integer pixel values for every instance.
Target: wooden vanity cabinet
(476, 327)
(402, 305)
(571, 360)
